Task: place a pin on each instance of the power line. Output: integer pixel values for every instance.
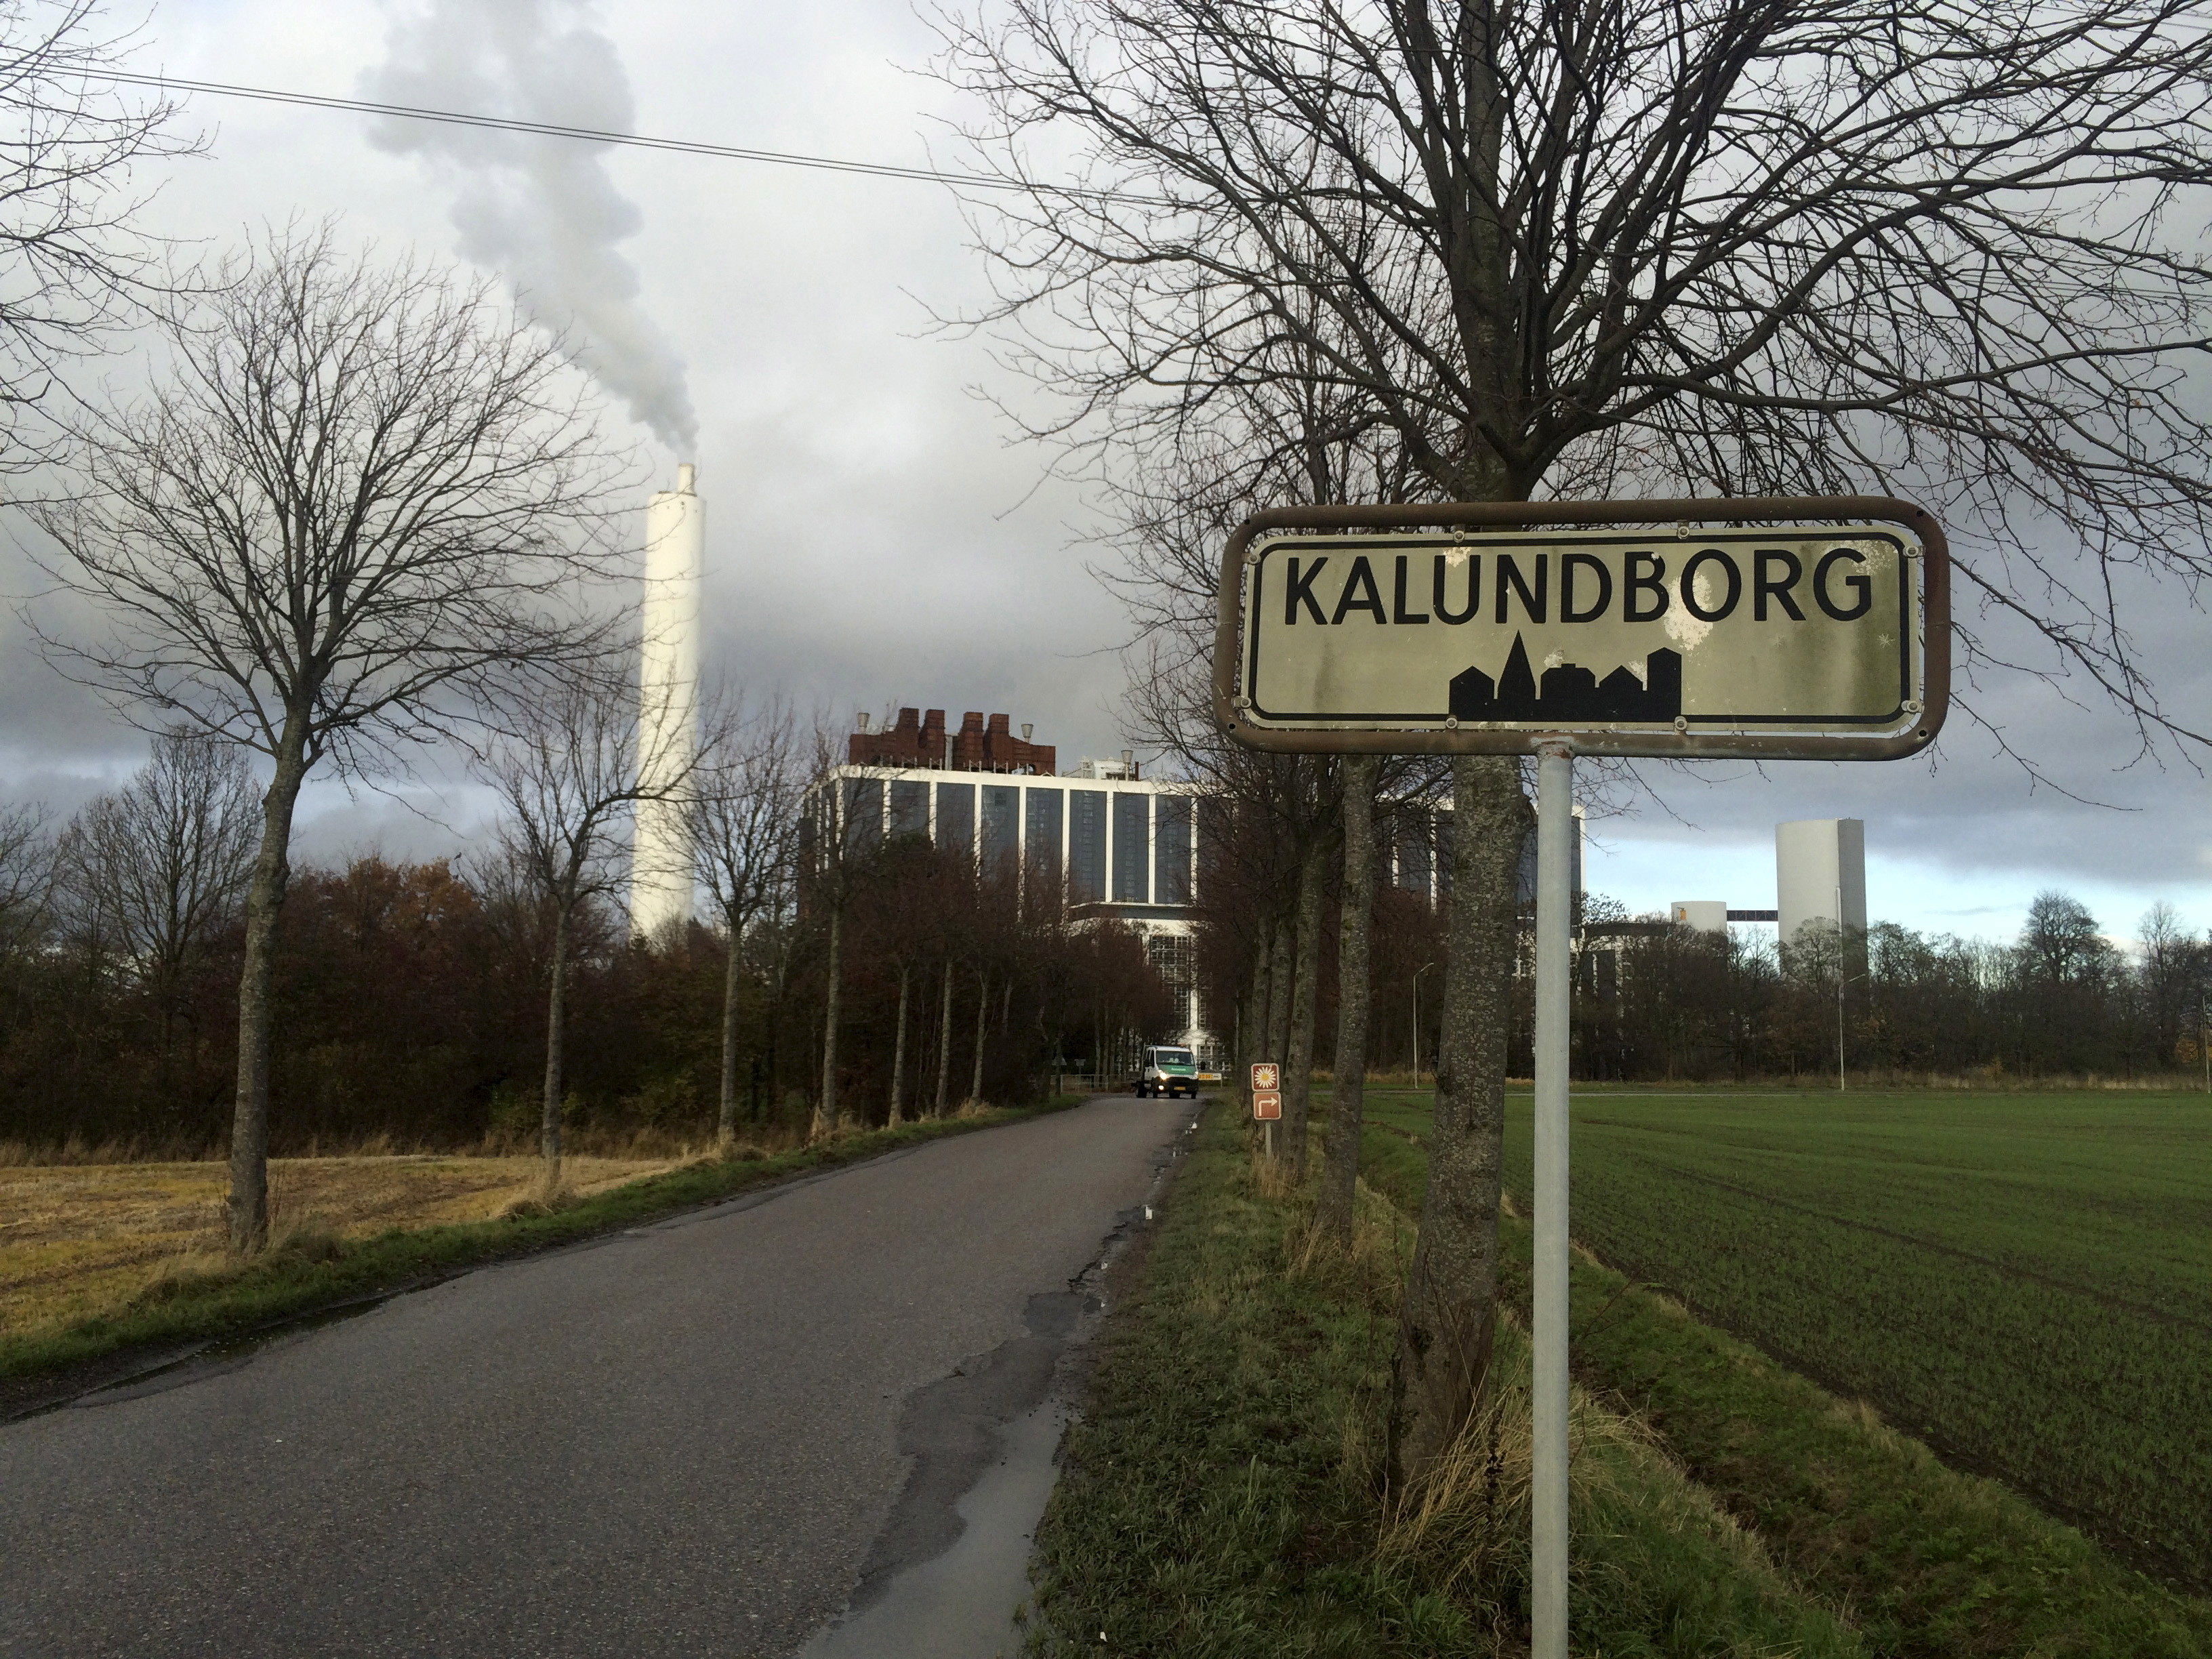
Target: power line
(594, 134)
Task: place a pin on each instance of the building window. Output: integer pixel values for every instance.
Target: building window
(1416, 859)
(864, 813)
(1002, 829)
(955, 819)
(910, 809)
(1086, 846)
(1171, 879)
(1133, 847)
(1214, 823)
(1042, 838)
(1175, 959)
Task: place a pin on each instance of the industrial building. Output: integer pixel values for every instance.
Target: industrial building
(1820, 876)
(1119, 845)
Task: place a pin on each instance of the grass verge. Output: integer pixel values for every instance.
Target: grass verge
(1931, 1563)
(314, 1270)
(1219, 1495)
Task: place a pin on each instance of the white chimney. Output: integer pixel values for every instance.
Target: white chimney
(661, 873)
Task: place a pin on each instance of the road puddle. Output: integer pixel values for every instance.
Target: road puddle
(949, 1575)
(962, 1604)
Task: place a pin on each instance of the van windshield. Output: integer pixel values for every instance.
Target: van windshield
(1171, 1056)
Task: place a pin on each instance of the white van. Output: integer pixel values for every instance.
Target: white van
(1168, 1071)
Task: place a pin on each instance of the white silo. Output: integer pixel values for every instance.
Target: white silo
(1820, 874)
(661, 882)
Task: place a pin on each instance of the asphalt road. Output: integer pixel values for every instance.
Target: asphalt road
(685, 1439)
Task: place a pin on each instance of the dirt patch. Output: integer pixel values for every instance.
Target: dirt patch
(80, 1239)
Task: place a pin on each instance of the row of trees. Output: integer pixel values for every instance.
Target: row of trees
(412, 1001)
(2062, 1001)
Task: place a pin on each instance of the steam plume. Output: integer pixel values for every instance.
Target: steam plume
(543, 210)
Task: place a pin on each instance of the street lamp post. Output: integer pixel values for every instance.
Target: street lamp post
(1842, 980)
(1417, 972)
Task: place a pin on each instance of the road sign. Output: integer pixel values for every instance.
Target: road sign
(1819, 631)
(1266, 1075)
(1267, 1105)
(1805, 629)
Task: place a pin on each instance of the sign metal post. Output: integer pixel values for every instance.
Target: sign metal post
(1805, 629)
(1555, 900)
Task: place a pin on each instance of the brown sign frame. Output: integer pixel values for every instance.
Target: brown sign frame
(1934, 616)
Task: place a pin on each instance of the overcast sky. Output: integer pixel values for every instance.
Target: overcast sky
(874, 536)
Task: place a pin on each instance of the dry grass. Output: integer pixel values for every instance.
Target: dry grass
(81, 1239)
(1469, 1519)
(1271, 1176)
(1467, 1526)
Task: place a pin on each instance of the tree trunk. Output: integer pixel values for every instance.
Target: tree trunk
(1251, 1025)
(1450, 1309)
(826, 1115)
(556, 1054)
(1274, 1046)
(773, 1106)
(1305, 985)
(982, 1004)
(945, 1043)
(248, 1206)
(726, 1130)
(1347, 1098)
(164, 1071)
(898, 1052)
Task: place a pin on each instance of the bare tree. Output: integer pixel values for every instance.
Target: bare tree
(1947, 250)
(360, 489)
(74, 263)
(744, 806)
(164, 860)
(26, 877)
(2169, 955)
(571, 766)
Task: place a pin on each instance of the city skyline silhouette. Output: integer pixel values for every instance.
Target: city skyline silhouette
(1569, 691)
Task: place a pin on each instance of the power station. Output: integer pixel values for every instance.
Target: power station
(1820, 876)
(662, 891)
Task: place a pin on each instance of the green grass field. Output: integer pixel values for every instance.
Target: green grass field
(2024, 1281)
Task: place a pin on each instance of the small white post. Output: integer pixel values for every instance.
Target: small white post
(1555, 776)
